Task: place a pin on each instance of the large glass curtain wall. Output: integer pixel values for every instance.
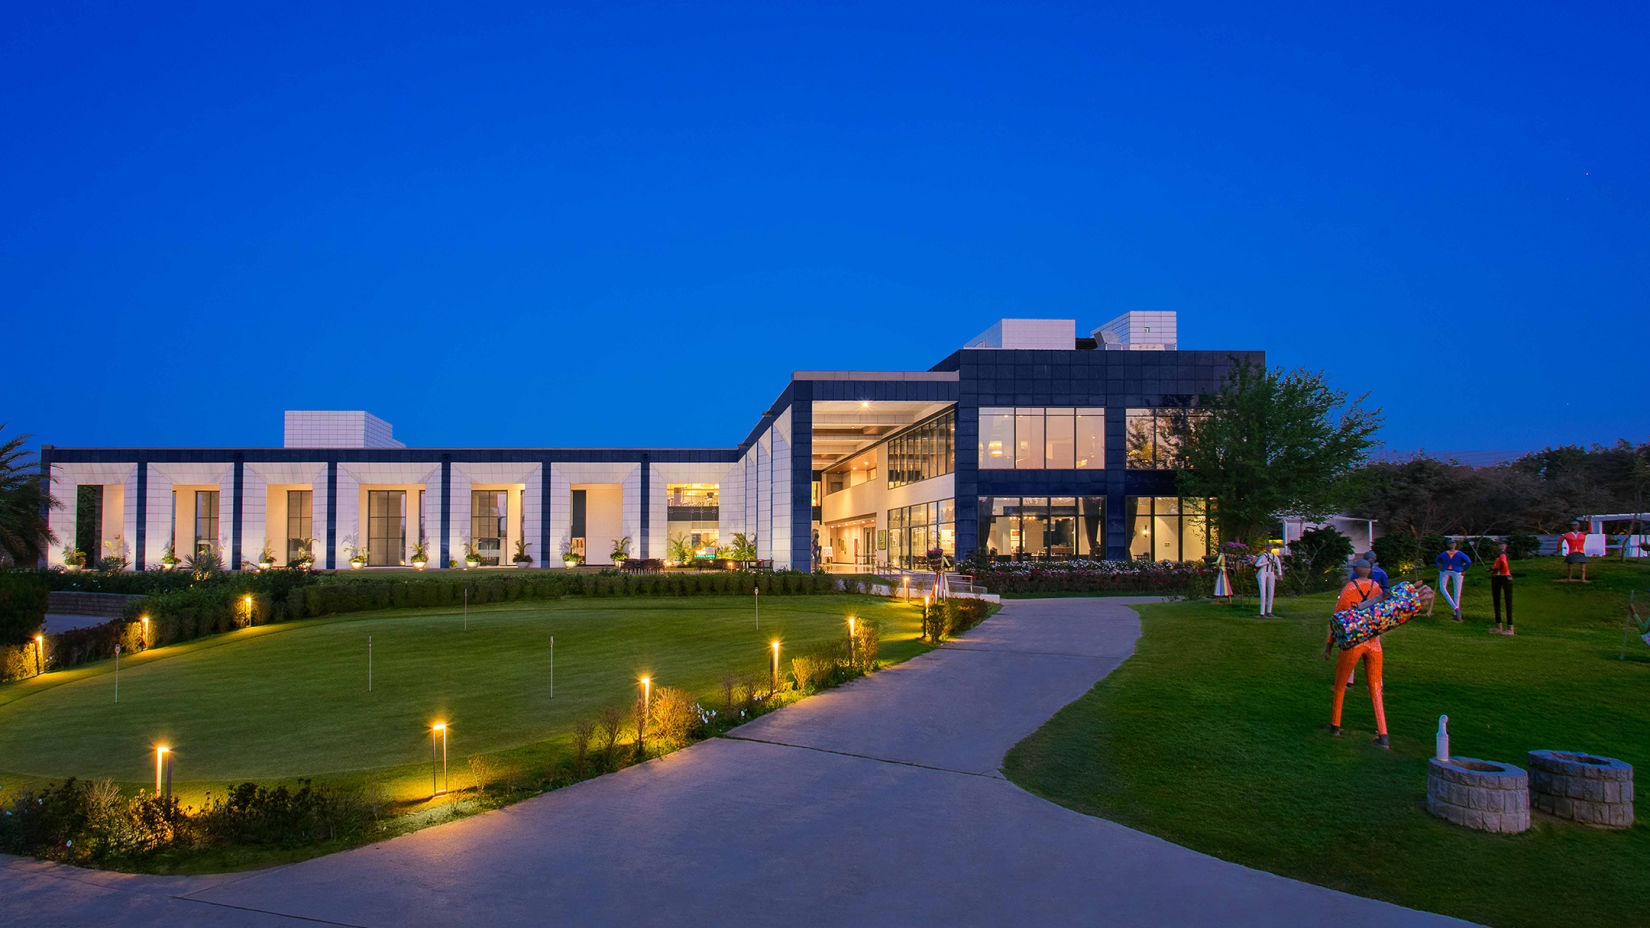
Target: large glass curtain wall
(929, 450)
(1042, 438)
(386, 527)
(488, 529)
(1043, 527)
(913, 530)
(1167, 528)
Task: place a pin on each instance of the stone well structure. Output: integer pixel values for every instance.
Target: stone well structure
(1479, 794)
(1584, 788)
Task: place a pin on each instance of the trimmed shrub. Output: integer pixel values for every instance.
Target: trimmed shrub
(23, 599)
(673, 718)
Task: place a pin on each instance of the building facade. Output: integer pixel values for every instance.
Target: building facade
(1029, 442)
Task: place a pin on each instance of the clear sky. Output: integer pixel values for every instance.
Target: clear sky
(625, 224)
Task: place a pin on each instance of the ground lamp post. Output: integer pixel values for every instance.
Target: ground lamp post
(39, 654)
(144, 636)
(248, 602)
(552, 666)
(117, 673)
(163, 771)
(369, 663)
(438, 732)
(850, 639)
(756, 591)
(647, 699)
(905, 583)
(776, 665)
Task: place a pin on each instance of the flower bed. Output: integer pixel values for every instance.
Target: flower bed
(1088, 576)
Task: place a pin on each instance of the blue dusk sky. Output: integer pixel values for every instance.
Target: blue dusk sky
(622, 224)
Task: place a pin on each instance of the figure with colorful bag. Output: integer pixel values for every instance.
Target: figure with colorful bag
(1363, 612)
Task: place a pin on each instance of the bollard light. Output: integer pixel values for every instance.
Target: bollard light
(647, 698)
(39, 654)
(776, 665)
(161, 751)
(438, 731)
(850, 639)
(145, 637)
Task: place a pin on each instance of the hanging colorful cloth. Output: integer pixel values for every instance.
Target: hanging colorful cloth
(1354, 626)
(1223, 585)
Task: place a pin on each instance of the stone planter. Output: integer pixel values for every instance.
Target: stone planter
(1584, 788)
(1479, 794)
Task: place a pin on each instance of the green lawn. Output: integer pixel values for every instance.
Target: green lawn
(1210, 736)
(282, 701)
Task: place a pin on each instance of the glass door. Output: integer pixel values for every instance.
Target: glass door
(488, 511)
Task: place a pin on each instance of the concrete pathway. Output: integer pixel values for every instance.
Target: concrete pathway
(878, 803)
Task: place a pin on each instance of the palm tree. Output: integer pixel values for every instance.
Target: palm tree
(24, 535)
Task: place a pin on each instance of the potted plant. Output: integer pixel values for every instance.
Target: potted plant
(357, 556)
(568, 557)
(420, 553)
(303, 560)
(169, 557)
(679, 549)
(266, 557)
(73, 558)
(936, 557)
(522, 558)
(472, 557)
(621, 551)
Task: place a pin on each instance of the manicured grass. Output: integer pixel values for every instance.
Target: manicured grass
(1210, 736)
(283, 701)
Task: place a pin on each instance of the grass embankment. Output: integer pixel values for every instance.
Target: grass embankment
(275, 703)
(1211, 736)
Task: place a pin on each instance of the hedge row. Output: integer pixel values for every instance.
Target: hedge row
(23, 599)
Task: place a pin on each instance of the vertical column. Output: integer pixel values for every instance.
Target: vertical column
(45, 497)
(446, 508)
(235, 514)
(332, 514)
(802, 457)
(1117, 459)
(644, 509)
(140, 533)
(544, 514)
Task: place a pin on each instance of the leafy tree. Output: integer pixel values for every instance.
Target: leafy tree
(24, 534)
(1272, 444)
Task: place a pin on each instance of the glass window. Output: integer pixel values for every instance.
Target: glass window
(386, 527)
(1090, 439)
(1168, 528)
(920, 453)
(1028, 439)
(996, 438)
(1059, 440)
(912, 530)
(1141, 450)
(300, 525)
(1091, 527)
(488, 511)
(206, 521)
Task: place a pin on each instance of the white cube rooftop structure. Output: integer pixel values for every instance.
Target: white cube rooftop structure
(337, 428)
(1057, 334)
(1139, 330)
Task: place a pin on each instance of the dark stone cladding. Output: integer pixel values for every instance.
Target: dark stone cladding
(1115, 380)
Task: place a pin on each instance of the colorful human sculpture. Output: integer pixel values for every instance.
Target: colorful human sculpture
(1362, 615)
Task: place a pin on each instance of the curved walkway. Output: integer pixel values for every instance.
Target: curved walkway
(878, 803)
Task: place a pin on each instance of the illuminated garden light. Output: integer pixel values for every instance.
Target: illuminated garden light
(647, 698)
(438, 731)
(776, 665)
(145, 635)
(39, 654)
(163, 770)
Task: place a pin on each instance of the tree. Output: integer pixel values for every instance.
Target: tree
(1272, 444)
(24, 534)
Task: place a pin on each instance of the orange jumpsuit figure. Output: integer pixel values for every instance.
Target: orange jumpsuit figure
(1358, 590)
